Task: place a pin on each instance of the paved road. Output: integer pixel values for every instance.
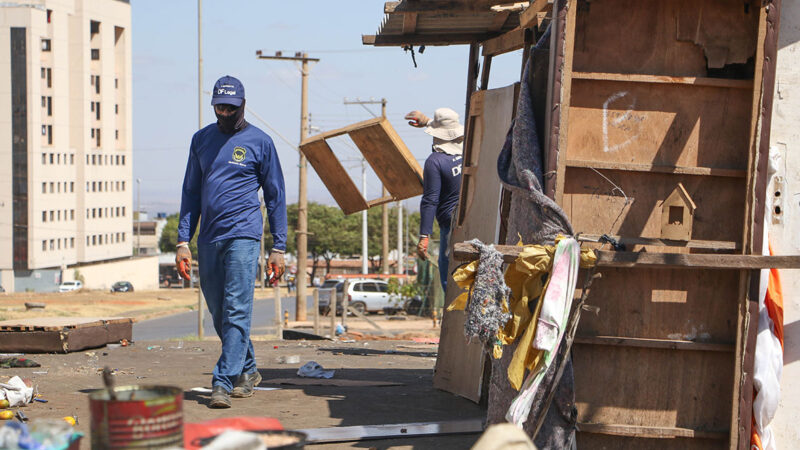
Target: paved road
(185, 324)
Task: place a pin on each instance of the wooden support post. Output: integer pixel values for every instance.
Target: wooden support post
(316, 311)
(276, 295)
(332, 311)
(345, 303)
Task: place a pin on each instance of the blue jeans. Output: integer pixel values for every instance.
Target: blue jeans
(227, 276)
(444, 257)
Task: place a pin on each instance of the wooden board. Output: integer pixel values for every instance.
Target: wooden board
(96, 333)
(59, 323)
(459, 366)
(333, 175)
(385, 152)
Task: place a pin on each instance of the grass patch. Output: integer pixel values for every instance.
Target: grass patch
(188, 337)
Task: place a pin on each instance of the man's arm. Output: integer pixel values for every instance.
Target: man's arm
(431, 186)
(190, 197)
(271, 179)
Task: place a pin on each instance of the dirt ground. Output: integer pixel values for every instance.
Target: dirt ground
(88, 303)
(65, 380)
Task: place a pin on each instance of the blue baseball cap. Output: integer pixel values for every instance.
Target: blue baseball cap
(228, 90)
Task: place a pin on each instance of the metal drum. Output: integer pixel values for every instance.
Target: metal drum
(140, 417)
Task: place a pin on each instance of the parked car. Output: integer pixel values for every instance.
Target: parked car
(326, 292)
(68, 286)
(122, 286)
(367, 296)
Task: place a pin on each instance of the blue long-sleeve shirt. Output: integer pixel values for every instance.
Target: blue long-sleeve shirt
(223, 175)
(441, 186)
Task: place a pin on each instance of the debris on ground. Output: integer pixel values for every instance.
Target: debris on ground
(39, 434)
(16, 391)
(14, 362)
(312, 369)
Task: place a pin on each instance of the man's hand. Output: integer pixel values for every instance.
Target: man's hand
(422, 248)
(275, 267)
(417, 119)
(183, 261)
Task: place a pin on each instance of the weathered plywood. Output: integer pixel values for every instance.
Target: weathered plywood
(659, 124)
(389, 157)
(459, 366)
(651, 385)
(385, 152)
(596, 207)
(333, 175)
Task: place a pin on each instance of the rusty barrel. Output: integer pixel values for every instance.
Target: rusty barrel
(140, 417)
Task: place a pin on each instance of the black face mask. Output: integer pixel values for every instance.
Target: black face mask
(233, 123)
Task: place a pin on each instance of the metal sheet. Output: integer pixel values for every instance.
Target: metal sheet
(367, 432)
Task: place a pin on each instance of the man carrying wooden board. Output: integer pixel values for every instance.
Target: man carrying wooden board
(441, 180)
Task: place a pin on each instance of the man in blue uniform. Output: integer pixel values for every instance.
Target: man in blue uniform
(441, 180)
(228, 162)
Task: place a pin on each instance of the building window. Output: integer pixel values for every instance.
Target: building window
(50, 135)
(116, 134)
(52, 244)
(52, 158)
(123, 236)
(97, 84)
(97, 135)
(116, 83)
(44, 188)
(95, 54)
(123, 215)
(46, 45)
(100, 213)
(123, 160)
(94, 239)
(44, 158)
(44, 101)
(94, 157)
(71, 214)
(58, 187)
(72, 242)
(44, 216)
(94, 186)
(123, 185)
(44, 246)
(72, 186)
(72, 159)
(58, 158)
(44, 130)
(49, 106)
(94, 27)
(105, 185)
(49, 77)
(44, 73)
(116, 109)
(94, 213)
(59, 244)
(117, 211)
(52, 187)
(52, 216)
(49, 15)
(97, 110)
(58, 215)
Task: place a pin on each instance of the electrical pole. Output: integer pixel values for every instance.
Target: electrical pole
(200, 298)
(302, 200)
(400, 262)
(364, 241)
(384, 207)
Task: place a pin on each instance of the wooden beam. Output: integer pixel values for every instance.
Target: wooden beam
(499, 20)
(665, 344)
(652, 168)
(638, 78)
(381, 201)
(341, 131)
(409, 23)
(451, 6)
(386, 40)
(464, 251)
(507, 42)
(529, 17)
(706, 245)
(650, 432)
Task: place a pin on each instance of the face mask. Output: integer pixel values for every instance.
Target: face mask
(233, 123)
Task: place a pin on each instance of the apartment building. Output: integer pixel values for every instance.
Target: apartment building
(65, 137)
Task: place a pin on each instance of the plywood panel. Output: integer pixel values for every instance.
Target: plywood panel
(459, 366)
(389, 157)
(594, 206)
(652, 387)
(659, 124)
(662, 35)
(333, 175)
(694, 305)
(605, 442)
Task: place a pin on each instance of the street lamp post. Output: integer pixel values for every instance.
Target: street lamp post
(138, 215)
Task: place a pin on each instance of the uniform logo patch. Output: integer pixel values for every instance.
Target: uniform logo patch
(239, 154)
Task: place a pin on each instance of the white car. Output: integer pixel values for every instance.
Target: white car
(369, 296)
(68, 286)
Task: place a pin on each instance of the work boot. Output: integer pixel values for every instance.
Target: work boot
(219, 398)
(245, 384)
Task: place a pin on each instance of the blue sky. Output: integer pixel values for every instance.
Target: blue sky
(165, 82)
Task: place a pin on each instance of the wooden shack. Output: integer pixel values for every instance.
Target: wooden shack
(640, 97)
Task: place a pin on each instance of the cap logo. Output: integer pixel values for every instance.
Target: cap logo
(223, 91)
(239, 154)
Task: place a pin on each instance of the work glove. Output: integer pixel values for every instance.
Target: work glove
(275, 266)
(183, 261)
(417, 119)
(422, 247)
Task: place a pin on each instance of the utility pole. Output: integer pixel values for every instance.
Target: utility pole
(302, 200)
(138, 216)
(364, 241)
(400, 262)
(384, 207)
(200, 298)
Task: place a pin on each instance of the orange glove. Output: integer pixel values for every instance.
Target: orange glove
(417, 119)
(275, 267)
(422, 247)
(183, 261)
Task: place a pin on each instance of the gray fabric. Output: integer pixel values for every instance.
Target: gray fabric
(485, 307)
(536, 219)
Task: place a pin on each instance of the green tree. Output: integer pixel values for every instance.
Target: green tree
(169, 237)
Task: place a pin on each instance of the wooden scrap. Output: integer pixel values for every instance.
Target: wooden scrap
(62, 334)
